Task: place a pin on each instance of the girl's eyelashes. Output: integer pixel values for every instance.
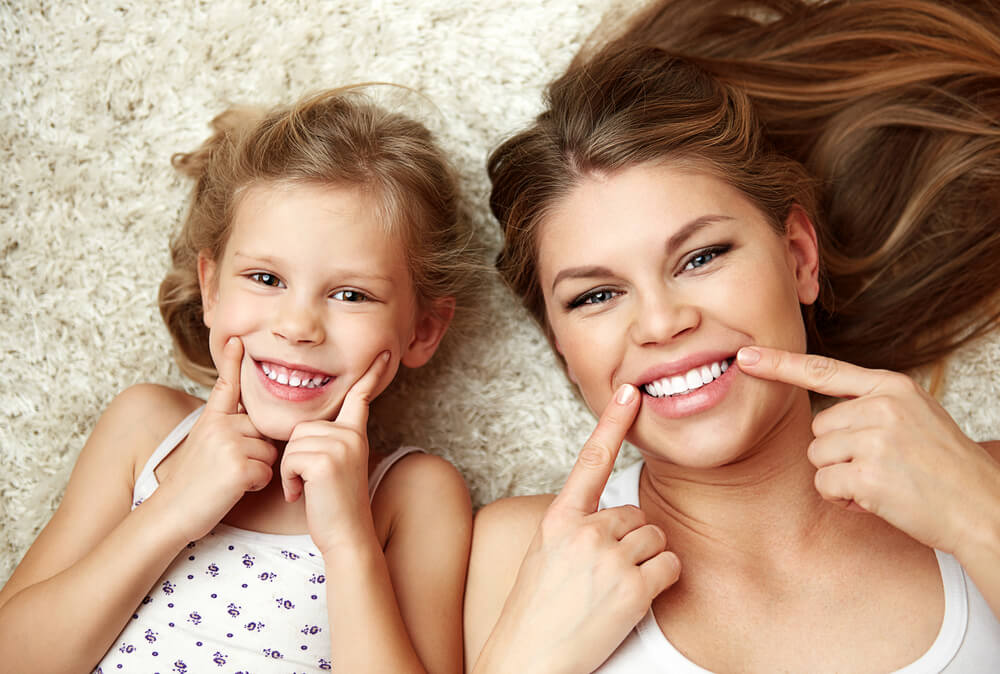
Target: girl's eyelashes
(595, 296)
(350, 296)
(704, 256)
(267, 279)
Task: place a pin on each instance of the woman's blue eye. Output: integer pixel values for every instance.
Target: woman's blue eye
(349, 296)
(599, 296)
(264, 278)
(703, 257)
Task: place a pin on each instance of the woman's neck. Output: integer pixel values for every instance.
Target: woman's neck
(745, 510)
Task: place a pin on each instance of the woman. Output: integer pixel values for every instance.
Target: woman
(706, 199)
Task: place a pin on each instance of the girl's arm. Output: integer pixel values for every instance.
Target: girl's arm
(397, 610)
(95, 560)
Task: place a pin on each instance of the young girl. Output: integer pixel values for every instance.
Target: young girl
(253, 531)
(693, 190)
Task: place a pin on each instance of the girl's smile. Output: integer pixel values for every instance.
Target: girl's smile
(292, 383)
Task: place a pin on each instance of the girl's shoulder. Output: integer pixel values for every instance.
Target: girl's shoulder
(417, 487)
(139, 417)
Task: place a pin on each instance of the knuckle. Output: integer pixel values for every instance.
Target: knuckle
(820, 370)
(594, 455)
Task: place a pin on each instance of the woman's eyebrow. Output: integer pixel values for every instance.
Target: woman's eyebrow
(673, 243)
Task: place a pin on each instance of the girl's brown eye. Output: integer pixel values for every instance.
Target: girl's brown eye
(350, 296)
(264, 278)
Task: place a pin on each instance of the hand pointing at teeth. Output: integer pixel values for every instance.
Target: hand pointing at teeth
(327, 462)
(223, 457)
(891, 449)
(588, 576)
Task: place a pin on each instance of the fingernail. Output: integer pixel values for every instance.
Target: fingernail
(230, 342)
(748, 355)
(625, 394)
(385, 356)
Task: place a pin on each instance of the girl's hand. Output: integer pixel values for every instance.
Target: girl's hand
(588, 576)
(223, 457)
(891, 449)
(328, 462)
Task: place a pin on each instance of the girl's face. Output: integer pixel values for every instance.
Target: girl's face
(656, 276)
(316, 290)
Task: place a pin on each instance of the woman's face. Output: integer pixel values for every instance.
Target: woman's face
(655, 276)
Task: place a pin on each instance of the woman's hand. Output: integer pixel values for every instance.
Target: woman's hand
(223, 457)
(588, 576)
(328, 462)
(892, 450)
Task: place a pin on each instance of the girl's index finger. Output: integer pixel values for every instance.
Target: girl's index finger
(225, 395)
(815, 373)
(354, 411)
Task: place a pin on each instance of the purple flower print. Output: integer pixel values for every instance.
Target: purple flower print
(233, 610)
(288, 554)
(127, 649)
(219, 658)
(151, 636)
(255, 627)
(284, 603)
(248, 560)
(194, 618)
(268, 576)
(319, 579)
(168, 587)
(180, 667)
(311, 629)
(213, 570)
(325, 665)
(273, 654)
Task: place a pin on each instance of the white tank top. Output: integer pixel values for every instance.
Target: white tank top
(968, 642)
(235, 601)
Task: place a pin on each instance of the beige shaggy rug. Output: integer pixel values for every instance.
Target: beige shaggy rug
(96, 97)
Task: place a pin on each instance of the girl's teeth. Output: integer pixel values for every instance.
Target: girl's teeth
(689, 381)
(293, 380)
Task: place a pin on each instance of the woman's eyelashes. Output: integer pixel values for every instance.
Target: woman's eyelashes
(596, 296)
(699, 259)
(705, 256)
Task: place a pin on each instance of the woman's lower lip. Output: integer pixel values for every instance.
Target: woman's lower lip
(290, 393)
(699, 400)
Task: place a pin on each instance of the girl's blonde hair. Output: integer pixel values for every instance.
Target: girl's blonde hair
(880, 118)
(335, 137)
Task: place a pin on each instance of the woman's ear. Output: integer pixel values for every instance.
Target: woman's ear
(431, 325)
(803, 254)
(208, 283)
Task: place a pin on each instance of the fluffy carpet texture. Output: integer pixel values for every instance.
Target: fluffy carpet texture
(97, 97)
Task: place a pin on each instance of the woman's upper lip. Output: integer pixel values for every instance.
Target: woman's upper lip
(682, 365)
(292, 366)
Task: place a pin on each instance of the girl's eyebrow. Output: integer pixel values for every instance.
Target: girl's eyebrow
(673, 243)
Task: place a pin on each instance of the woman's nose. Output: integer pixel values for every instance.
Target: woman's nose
(662, 316)
(299, 322)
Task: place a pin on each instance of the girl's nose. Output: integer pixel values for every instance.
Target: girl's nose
(661, 317)
(299, 323)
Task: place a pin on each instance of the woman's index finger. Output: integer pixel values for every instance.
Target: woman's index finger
(814, 373)
(586, 481)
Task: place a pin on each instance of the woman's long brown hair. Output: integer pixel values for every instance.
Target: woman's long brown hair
(892, 107)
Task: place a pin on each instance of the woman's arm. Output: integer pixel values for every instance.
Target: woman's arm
(95, 560)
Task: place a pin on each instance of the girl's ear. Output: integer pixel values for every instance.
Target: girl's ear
(209, 287)
(431, 325)
(803, 254)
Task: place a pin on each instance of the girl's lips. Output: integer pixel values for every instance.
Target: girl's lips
(293, 385)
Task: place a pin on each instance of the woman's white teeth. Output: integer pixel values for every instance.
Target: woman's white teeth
(689, 381)
(295, 380)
